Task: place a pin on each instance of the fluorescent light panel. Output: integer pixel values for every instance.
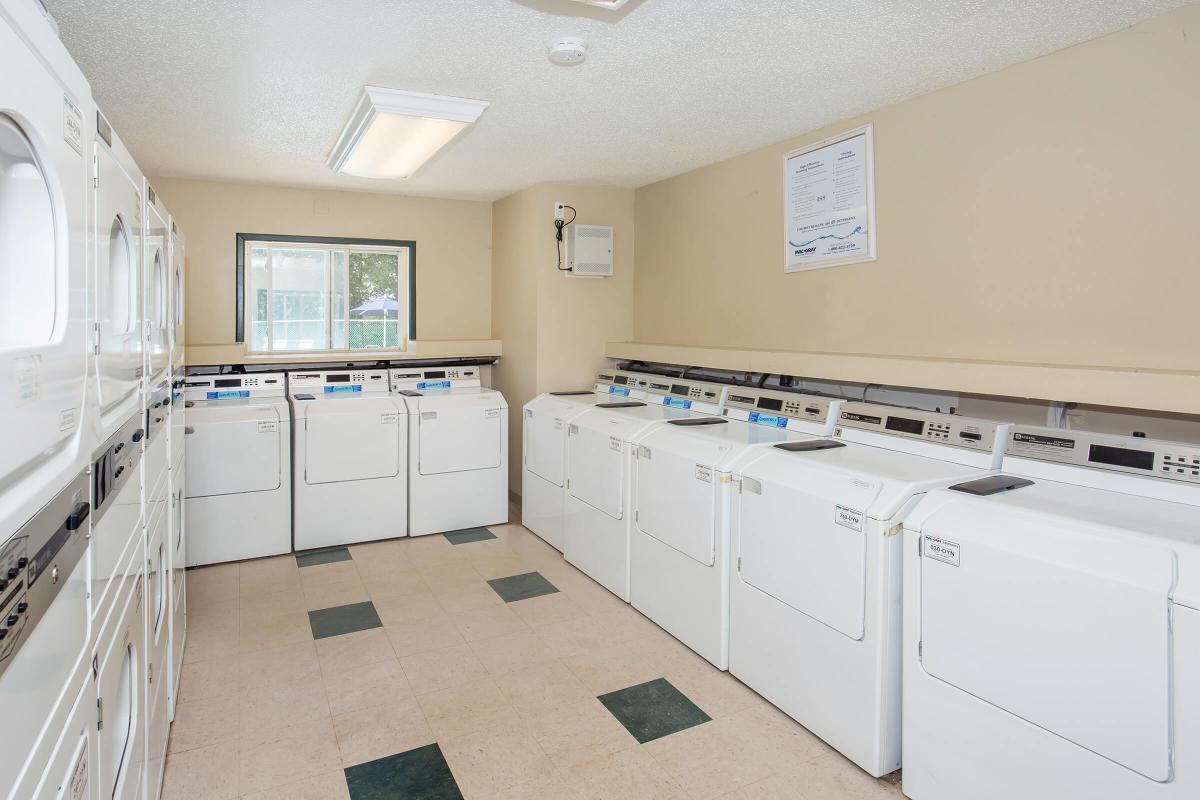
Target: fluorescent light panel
(392, 133)
(612, 5)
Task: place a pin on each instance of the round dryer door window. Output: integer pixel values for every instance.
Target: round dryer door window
(28, 270)
(120, 287)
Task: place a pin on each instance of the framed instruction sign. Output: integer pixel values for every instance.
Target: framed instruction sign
(829, 202)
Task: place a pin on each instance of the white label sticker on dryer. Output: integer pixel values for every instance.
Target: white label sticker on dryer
(67, 419)
(72, 125)
(614, 443)
(848, 518)
(558, 423)
(491, 413)
(79, 777)
(703, 473)
(268, 427)
(941, 550)
(388, 419)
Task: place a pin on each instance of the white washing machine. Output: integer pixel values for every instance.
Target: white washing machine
(596, 507)
(1052, 625)
(349, 453)
(177, 447)
(238, 499)
(45, 125)
(457, 449)
(44, 633)
(814, 596)
(544, 450)
(681, 490)
(116, 281)
(157, 648)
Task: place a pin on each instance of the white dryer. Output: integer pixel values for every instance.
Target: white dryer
(814, 597)
(238, 499)
(1052, 625)
(457, 449)
(177, 280)
(596, 507)
(45, 126)
(681, 491)
(349, 455)
(176, 474)
(156, 282)
(544, 450)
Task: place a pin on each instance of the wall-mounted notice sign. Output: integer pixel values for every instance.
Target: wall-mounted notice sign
(829, 202)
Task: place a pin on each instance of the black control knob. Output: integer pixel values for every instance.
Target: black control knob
(22, 562)
(22, 607)
(138, 435)
(3, 633)
(117, 474)
(12, 573)
(13, 619)
(3, 584)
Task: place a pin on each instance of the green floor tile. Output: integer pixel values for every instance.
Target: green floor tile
(338, 620)
(469, 535)
(522, 587)
(653, 710)
(420, 774)
(322, 557)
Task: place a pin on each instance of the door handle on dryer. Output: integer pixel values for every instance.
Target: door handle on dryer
(188, 430)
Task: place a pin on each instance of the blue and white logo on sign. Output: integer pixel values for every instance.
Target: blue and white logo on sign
(769, 420)
(675, 402)
(433, 385)
(227, 395)
(618, 390)
(337, 389)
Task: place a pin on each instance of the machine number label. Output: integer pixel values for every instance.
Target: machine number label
(67, 419)
(72, 125)
(704, 473)
(491, 413)
(848, 518)
(388, 418)
(558, 423)
(79, 777)
(614, 444)
(268, 427)
(941, 550)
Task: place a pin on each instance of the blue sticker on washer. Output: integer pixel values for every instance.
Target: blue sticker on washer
(433, 385)
(227, 395)
(337, 389)
(768, 419)
(618, 390)
(676, 402)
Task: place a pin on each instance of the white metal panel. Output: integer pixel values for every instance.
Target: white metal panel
(459, 433)
(234, 448)
(803, 541)
(1067, 629)
(351, 439)
(545, 436)
(596, 469)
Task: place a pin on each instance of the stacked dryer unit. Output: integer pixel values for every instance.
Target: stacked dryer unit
(682, 488)
(457, 449)
(1052, 625)
(350, 458)
(238, 502)
(45, 168)
(176, 464)
(597, 507)
(544, 449)
(814, 605)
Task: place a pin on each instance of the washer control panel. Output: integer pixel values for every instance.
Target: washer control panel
(408, 379)
(234, 387)
(681, 393)
(1152, 458)
(775, 408)
(620, 383)
(338, 381)
(929, 426)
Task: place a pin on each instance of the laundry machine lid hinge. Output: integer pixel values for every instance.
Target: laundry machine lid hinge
(99, 713)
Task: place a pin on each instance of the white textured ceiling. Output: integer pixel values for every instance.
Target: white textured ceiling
(258, 90)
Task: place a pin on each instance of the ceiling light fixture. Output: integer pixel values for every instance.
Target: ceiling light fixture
(392, 133)
(568, 51)
(611, 5)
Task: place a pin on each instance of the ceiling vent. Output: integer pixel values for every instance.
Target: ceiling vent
(611, 5)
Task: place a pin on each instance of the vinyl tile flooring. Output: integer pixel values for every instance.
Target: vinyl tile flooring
(477, 665)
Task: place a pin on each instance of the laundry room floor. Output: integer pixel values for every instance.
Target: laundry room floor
(478, 665)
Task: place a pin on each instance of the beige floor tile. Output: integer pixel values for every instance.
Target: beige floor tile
(207, 613)
(299, 752)
(270, 606)
(497, 759)
(292, 662)
(574, 636)
(214, 584)
(579, 732)
(215, 640)
(326, 786)
(546, 787)
(371, 733)
(339, 653)
(367, 686)
(625, 775)
(206, 773)
(266, 576)
(461, 709)
(548, 685)
(325, 574)
(504, 653)
(397, 610)
(486, 623)
(289, 627)
(199, 723)
(501, 565)
(200, 680)
(616, 666)
(328, 595)
(718, 693)
(548, 609)
(714, 758)
(441, 669)
(447, 568)
(267, 708)
(836, 776)
(463, 599)
(383, 550)
(422, 635)
(391, 572)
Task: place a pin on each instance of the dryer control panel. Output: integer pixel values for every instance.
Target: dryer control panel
(234, 387)
(1152, 458)
(410, 379)
(929, 426)
(620, 383)
(682, 393)
(775, 408)
(338, 381)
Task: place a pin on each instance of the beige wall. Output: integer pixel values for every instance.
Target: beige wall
(454, 238)
(554, 328)
(1042, 214)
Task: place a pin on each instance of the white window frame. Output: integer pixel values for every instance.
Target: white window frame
(404, 265)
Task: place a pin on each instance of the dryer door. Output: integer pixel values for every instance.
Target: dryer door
(675, 491)
(156, 292)
(459, 433)
(802, 537)
(596, 468)
(545, 434)
(1056, 622)
(351, 439)
(233, 448)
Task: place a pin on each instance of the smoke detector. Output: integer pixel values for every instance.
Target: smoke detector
(568, 51)
(611, 5)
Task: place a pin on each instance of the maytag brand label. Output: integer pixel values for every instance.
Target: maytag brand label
(942, 550)
(388, 419)
(72, 125)
(1044, 441)
(848, 518)
(268, 427)
(703, 473)
(614, 444)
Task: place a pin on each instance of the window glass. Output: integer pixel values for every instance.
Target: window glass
(298, 299)
(338, 307)
(257, 299)
(374, 307)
